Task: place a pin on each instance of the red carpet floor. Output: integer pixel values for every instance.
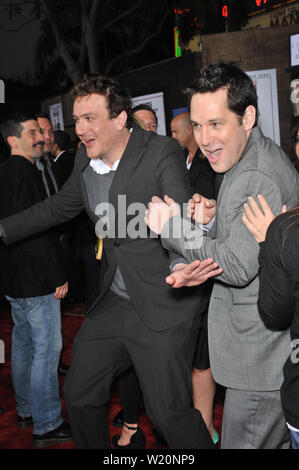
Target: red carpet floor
(13, 438)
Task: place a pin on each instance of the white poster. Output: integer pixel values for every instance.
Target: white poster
(266, 86)
(56, 116)
(156, 101)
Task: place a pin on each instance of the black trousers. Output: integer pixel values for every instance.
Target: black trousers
(130, 396)
(111, 340)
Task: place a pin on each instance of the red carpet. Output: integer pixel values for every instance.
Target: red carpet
(13, 438)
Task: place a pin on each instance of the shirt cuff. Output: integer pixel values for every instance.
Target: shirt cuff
(176, 262)
(207, 227)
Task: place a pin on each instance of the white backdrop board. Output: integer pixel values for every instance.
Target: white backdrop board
(56, 116)
(156, 101)
(266, 86)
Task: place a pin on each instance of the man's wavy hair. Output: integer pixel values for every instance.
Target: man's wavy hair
(240, 88)
(118, 98)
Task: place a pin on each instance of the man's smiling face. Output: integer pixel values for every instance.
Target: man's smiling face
(219, 132)
(94, 127)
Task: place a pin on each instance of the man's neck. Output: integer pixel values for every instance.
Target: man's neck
(117, 151)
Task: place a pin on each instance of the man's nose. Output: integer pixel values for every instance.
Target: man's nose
(80, 127)
(206, 135)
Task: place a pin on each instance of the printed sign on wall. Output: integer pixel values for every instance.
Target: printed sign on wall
(56, 116)
(266, 86)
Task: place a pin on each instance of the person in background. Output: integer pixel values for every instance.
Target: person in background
(52, 186)
(33, 279)
(63, 156)
(278, 300)
(44, 163)
(294, 144)
(146, 117)
(201, 175)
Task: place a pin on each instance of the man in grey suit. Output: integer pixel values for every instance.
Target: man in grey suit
(245, 356)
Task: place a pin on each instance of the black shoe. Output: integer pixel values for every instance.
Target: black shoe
(118, 419)
(1, 411)
(24, 423)
(137, 441)
(62, 369)
(60, 434)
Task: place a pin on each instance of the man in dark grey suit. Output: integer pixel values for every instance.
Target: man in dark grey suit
(245, 356)
(137, 319)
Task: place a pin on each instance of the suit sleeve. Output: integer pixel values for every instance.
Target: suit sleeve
(53, 211)
(237, 251)
(173, 179)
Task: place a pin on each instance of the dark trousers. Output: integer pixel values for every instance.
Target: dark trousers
(112, 339)
(130, 396)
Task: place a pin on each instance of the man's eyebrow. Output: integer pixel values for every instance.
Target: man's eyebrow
(83, 115)
(209, 121)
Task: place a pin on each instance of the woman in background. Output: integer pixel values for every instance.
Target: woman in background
(278, 301)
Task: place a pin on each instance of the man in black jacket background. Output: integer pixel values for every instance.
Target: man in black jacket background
(33, 280)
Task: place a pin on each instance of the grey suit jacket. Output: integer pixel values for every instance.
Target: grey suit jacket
(244, 354)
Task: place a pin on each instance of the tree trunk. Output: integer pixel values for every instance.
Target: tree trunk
(70, 64)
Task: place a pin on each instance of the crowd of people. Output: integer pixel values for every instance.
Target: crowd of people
(195, 291)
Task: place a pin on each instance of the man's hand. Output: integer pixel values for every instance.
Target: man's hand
(193, 274)
(159, 212)
(201, 209)
(257, 221)
(61, 291)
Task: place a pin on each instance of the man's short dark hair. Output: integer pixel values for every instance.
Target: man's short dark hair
(118, 98)
(43, 115)
(63, 140)
(12, 124)
(145, 107)
(240, 88)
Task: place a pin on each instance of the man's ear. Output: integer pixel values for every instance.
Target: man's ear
(12, 142)
(248, 118)
(121, 120)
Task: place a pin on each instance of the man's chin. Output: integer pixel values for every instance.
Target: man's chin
(92, 155)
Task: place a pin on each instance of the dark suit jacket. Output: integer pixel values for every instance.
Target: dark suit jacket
(31, 267)
(202, 177)
(151, 165)
(63, 167)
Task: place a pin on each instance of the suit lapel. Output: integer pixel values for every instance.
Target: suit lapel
(128, 162)
(84, 164)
